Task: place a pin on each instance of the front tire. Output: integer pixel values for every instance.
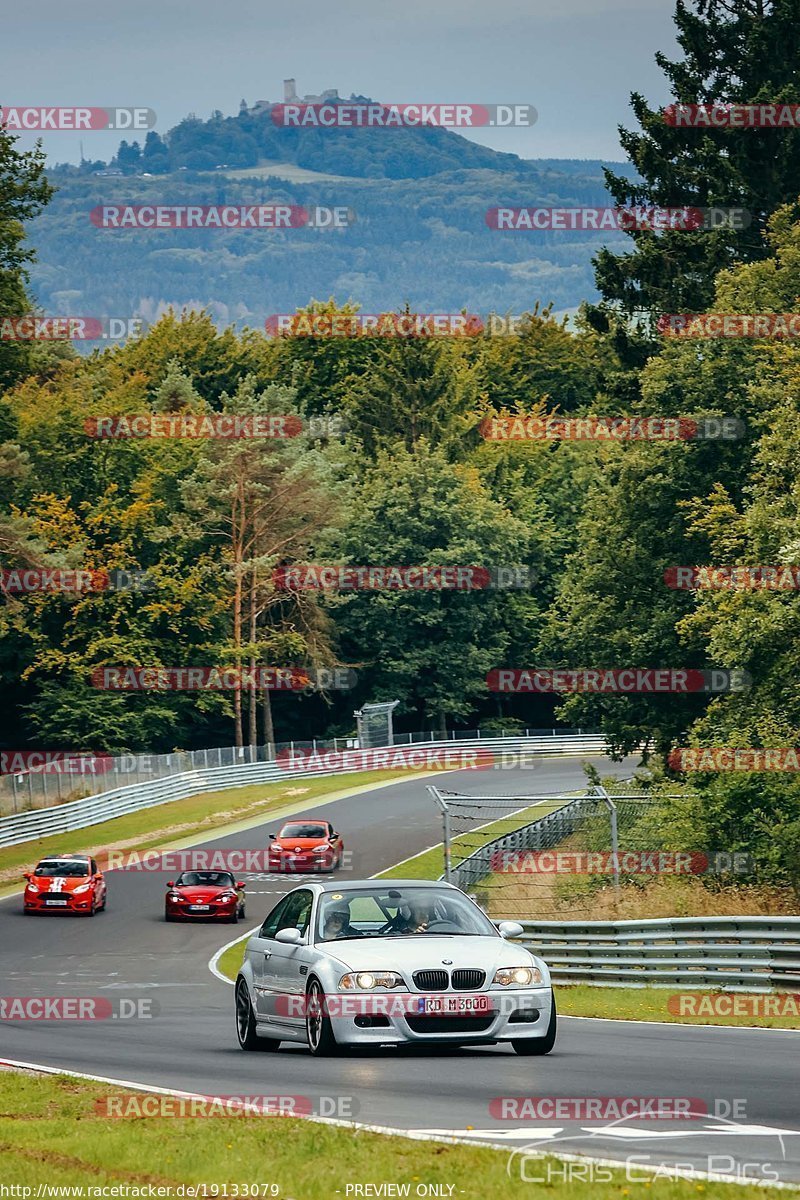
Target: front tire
(319, 1031)
(246, 1022)
(542, 1045)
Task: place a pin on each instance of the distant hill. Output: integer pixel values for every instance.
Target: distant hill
(420, 197)
(252, 137)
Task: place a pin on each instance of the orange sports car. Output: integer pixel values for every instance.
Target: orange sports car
(306, 846)
(65, 883)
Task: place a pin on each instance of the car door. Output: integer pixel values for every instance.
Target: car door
(259, 953)
(289, 964)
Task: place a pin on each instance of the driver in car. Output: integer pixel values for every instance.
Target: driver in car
(413, 918)
(337, 925)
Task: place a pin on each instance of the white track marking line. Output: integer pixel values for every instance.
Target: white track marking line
(681, 1024)
(212, 962)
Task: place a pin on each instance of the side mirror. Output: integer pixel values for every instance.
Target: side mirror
(272, 837)
(170, 883)
(289, 937)
(240, 884)
(28, 875)
(333, 837)
(510, 929)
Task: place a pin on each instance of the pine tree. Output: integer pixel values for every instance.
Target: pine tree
(24, 191)
(735, 51)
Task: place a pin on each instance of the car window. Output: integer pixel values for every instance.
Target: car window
(381, 911)
(65, 869)
(272, 923)
(303, 831)
(94, 868)
(297, 911)
(204, 879)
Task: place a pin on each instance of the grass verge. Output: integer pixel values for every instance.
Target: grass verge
(231, 960)
(52, 1134)
(650, 1004)
(182, 819)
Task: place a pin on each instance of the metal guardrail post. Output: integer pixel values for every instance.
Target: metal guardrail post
(445, 829)
(612, 809)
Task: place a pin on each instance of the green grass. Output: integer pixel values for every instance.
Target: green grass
(185, 819)
(231, 960)
(650, 1004)
(51, 1133)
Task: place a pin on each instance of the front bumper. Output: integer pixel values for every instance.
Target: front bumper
(301, 864)
(214, 912)
(505, 1022)
(74, 904)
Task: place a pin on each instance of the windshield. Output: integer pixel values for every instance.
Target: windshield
(205, 879)
(303, 831)
(399, 912)
(63, 870)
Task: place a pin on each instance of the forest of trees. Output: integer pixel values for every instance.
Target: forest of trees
(407, 478)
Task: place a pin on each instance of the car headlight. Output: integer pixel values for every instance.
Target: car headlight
(365, 981)
(225, 897)
(321, 849)
(31, 888)
(517, 976)
(176, 897)
(84, 887)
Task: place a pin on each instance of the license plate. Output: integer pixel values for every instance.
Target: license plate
(199, 907)
(49, 901)
(453, 1005)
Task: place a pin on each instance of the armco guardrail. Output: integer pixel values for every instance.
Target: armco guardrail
(24, 787)
(736, 954)
(78, 814)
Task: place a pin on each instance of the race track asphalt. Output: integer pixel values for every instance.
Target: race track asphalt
(190, 1044)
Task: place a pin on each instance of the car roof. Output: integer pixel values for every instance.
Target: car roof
(305, 821)
(81, 858)
(336, 885)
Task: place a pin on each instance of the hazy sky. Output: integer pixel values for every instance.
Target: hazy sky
(574, 60)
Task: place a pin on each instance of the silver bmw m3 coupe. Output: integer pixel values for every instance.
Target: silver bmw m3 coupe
(390, 962)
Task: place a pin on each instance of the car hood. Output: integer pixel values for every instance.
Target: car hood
(427, 952)
(301, 843)
(59, 883)
(201, 894)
